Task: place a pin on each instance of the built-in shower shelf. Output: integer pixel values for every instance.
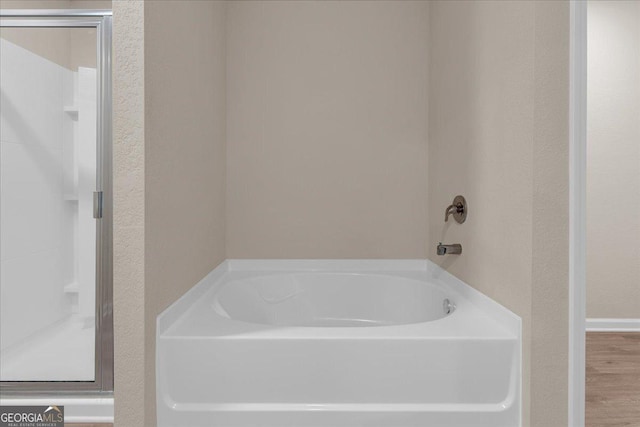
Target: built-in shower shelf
(72, 288)
(72, 111)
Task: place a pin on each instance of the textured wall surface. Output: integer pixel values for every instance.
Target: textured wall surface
(129, 219)
(184, 156)
(613, 160)
(550, 264)
(497, 135)
(327, 129)
(169, 176)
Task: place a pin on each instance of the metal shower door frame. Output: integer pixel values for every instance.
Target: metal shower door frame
(101, 20)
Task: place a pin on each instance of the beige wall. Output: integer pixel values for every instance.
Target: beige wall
(490, 129)
(169, 176)
(69, 47)
(480, 146)
(91, 4)
(184, 156)
(327, 129)
(613, 160)
(50, 43)
(306, 81)
(550, 263)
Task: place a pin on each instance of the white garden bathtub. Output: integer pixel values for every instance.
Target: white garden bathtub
(337, 343)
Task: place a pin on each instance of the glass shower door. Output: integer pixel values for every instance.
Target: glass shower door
(52, 231)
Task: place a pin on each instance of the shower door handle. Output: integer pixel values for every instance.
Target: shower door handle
(97, 204)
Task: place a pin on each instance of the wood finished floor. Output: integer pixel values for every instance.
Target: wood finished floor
(613, 379)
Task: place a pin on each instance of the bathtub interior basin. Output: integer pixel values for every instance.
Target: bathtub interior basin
(331, 300)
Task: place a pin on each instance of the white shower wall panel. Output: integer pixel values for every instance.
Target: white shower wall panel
(35, 229)
(86, 184)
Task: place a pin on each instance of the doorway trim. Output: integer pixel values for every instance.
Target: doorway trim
(577, 211)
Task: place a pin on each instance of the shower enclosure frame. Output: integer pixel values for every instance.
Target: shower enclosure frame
(101, 20)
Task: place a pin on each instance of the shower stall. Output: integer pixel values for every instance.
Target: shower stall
(55, 202)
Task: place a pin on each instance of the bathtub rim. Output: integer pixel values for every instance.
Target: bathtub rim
(498, 313)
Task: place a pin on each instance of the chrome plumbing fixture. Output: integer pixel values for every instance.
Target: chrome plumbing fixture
(448, 306)
(454, 249)
(458, 209)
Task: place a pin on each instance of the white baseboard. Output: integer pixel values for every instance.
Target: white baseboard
(613, 325)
